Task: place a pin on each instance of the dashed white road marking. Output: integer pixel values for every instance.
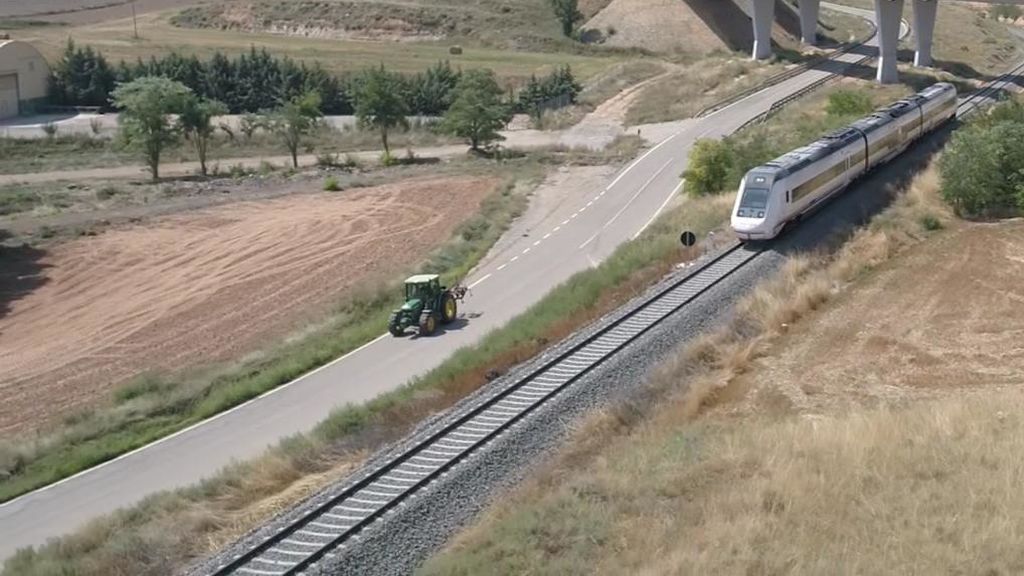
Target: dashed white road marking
(557, 228)
(574, 215)
(527, 251)
(627, 205)
(502, 267)
(514, 258)
(641, 159)
(668, 199)
(480, 281)
(546, 236)
(537, 243)
(564, 222)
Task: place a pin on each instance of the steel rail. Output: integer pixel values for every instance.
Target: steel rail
(974, 102)
(319, 533)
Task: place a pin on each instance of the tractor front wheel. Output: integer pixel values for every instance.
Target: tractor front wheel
(395, 325)
(449, 308)
(428, 323)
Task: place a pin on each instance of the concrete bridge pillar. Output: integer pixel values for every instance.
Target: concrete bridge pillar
(889, 15)
(809, 21)
(763, 15)
(924, 28)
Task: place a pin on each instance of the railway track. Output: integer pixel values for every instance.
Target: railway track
(990, 91)
(324, 531)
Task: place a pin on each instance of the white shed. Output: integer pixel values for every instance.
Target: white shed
(24, 76)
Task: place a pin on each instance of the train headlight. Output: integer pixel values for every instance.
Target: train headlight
(760, 214)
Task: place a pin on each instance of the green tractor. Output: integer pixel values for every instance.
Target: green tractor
(427, 304)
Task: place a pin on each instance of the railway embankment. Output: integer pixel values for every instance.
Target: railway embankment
(860, 409)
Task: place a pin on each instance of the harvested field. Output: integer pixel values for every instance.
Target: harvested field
(949, 316)
(207, 286)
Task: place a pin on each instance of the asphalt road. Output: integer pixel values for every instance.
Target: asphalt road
(580, 232)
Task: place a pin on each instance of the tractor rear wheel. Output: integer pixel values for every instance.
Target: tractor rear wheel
(395, 325)
(428, 323)
(449, 308)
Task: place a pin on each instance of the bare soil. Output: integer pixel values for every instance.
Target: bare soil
(947, 316)
(683, 26)
(207, 286)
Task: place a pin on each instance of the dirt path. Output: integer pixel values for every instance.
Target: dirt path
(207, 286)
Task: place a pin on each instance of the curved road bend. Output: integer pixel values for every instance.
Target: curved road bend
(579, 234)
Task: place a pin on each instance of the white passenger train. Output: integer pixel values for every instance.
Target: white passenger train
(789, 186)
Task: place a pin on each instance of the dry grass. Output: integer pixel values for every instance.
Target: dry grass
(683, 93)
(967, 43)
(679, 483)
(927, 490)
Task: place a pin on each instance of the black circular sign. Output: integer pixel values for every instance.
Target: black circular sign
(688, 238)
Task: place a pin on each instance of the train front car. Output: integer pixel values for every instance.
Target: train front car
(756, 214)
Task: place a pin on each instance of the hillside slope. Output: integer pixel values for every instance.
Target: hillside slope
(687, 26)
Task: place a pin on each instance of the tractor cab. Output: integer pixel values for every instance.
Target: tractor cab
(427, 303)
(421, 288)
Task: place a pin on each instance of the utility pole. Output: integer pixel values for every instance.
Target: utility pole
(135, 23)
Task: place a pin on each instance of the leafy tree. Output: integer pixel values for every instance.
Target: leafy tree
(478, 111)
(709, 166)
(381, 104)
(146, 105)
(250, 123)
(197, 122)
(568, 13)
(294, 120)
(983, 169)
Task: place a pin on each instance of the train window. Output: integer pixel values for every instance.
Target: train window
(754, 201)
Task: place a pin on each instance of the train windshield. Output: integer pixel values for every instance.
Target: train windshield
(754, 203)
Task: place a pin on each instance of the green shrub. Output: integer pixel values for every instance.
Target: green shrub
(710, 164)
(331, 184)
(983, 169)
(1005, 11)
(930, 223)
(844, 103)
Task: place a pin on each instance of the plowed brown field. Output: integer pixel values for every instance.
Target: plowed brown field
(208, 286)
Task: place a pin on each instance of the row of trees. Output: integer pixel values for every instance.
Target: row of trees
(156, 111)
(257, 81)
